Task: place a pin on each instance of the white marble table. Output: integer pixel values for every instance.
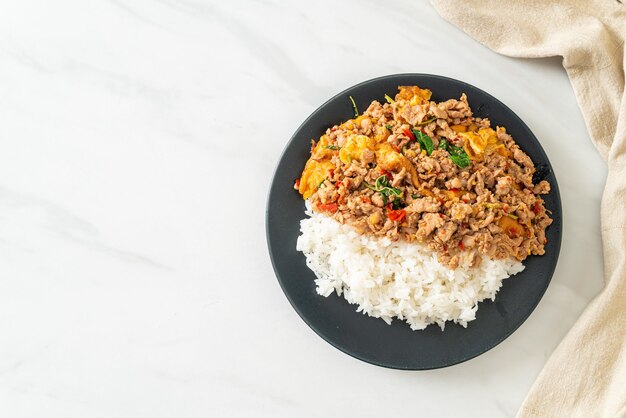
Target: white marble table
(137, 142)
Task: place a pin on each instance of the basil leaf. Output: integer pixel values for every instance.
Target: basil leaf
(459, 156)
(391, 191)
(443, 144)
(332, 147)
(426, 142)
(461, 161)
(382, 186)
(388, 127)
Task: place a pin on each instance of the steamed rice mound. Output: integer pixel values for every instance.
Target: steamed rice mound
(396, 279)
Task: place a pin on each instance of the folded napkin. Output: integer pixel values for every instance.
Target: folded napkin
(586, 375)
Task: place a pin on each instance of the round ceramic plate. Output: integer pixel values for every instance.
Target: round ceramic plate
(371, 339)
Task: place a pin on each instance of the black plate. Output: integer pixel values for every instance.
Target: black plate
(371, 339)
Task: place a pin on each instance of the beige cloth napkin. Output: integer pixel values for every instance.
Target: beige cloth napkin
(586, 375)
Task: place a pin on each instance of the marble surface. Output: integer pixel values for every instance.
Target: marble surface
(137, 143)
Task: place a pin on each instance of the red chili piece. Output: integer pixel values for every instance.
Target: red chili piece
(396, 215)
(328, 207)
(536, 208)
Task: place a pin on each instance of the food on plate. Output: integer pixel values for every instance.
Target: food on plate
(418, 210)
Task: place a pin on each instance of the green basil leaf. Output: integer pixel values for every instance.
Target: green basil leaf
(382, 186)
(460, 160)
(426, 142)
(459, 156)
(332, 147)
(391, 191)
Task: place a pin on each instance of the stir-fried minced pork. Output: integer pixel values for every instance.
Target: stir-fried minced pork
(414, 169)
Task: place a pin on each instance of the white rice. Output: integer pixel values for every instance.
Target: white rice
(401, 280)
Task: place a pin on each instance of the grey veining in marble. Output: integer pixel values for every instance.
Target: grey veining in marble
(137, 142)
